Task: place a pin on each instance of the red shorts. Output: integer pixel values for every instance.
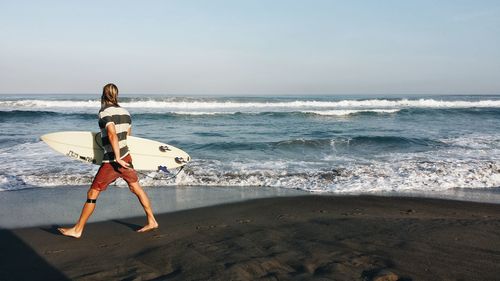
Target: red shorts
(109, 172)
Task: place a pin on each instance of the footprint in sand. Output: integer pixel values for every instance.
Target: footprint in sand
(200, 227)
(158, 236)
(408, 212)
(50, 252)
(286, 216)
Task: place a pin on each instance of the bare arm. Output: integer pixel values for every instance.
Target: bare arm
(113, 139)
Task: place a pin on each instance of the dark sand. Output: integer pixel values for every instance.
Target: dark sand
(293, 238)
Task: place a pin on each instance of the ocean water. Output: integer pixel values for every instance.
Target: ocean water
(329, 144)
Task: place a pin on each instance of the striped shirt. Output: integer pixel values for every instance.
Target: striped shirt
(121, 118)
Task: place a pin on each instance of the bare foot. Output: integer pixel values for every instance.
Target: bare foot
(71, 232)
(149, 227)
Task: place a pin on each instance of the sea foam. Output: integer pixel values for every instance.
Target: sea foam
(378, 104)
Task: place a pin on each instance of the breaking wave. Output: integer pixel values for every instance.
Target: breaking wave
(211, 106)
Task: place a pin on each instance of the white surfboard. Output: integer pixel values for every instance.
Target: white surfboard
(146, 154)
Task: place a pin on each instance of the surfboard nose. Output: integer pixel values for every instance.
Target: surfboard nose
(45, 137)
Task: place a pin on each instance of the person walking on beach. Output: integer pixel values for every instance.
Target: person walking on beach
(115, 125)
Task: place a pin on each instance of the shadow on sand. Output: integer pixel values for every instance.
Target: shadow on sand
(132, 226)
(19, 262)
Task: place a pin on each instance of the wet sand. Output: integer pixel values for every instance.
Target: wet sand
(287, 238)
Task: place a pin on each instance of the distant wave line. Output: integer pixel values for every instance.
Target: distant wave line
(298, 104)
(340, 112)
(346, 112)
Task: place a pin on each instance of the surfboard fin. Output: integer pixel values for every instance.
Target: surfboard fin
(164, 148)
(180, 160)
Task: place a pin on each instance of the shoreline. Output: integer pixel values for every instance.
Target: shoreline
(62, 204)
(298, 237)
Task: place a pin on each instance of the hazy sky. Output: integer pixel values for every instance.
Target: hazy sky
(238, 47)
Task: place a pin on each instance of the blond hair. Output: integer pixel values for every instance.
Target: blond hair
(109, 95)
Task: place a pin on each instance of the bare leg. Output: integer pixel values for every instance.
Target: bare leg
(88, 209)
(143, 198)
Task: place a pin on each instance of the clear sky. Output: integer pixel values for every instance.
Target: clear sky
(242, 47)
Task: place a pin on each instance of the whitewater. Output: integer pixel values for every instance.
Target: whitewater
(326, 144)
